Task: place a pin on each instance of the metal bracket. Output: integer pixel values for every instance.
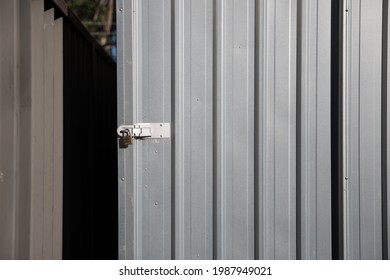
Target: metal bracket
(146, 130)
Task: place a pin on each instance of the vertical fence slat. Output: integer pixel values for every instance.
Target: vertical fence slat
(193, 130)
(315, 176)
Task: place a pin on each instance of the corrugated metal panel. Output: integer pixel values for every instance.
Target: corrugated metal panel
(234, 67)
(37, 129)
(315, 146)
(147, 52)
(44, 92)
(25, 180)
(31, 132)
(32, 75)
(48, 141)
(386, 211)
(9, 87)
(277, 97)
(126, 214)
(362, 131)
(235, 28)
(153, 104)
(58, 122)
(194, 126)
(248, 85)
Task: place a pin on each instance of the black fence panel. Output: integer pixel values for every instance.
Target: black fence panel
(90, 222)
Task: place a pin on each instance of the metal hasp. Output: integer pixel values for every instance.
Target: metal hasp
(146, 130)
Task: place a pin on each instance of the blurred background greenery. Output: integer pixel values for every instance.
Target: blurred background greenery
(98, 16)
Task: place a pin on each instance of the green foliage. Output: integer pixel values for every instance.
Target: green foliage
(85, 9)
(98, 16)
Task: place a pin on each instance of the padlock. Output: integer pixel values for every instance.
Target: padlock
(126, 139)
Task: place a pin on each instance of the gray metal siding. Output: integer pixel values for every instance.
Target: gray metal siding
(153, 104)
(30, 132)
(58, 130)
(247, 172)
(315, 176)
(277, 135)
(387, 155)
(48, 135)
(194, 126)
(126, 215)
(38, 129)
(9, 79)
(32, 74)
(233, 65)
(363, 32)
(234, 125)
(45, 90)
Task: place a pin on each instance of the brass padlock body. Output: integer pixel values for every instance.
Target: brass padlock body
(126, 139)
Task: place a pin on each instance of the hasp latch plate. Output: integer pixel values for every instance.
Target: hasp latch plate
(145, 130)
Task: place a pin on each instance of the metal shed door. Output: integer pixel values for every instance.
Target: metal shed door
(224, 74)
